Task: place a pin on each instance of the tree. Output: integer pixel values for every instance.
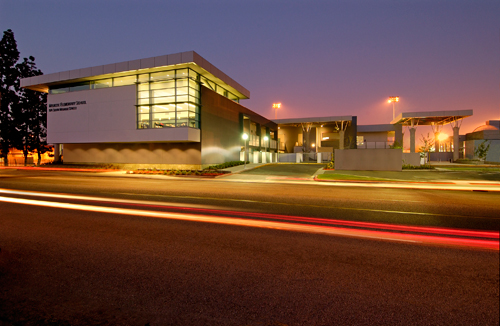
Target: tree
(23, 114)
(9, 86)
(481, 151)
(428, 143)
(30, 115)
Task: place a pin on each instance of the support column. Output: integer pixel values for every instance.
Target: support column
(318, 138)
(456, 145)
(412, 140)
(57, 153)
(341, 140)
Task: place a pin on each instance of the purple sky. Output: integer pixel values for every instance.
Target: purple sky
(318, 58)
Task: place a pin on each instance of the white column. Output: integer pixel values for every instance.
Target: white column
(318, 138)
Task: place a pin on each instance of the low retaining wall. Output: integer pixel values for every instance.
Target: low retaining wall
(441, 156)
(369, 159)
(411, 158)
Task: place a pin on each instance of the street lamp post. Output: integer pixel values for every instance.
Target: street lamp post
(245, 139)
(276, 106)
(393, 100)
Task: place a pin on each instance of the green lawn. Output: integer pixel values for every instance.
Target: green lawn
(340, 176)
(470, 168)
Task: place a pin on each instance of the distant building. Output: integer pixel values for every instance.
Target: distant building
(490, 131)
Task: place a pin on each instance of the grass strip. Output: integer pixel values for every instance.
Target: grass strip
(339, 176)
(471, 168)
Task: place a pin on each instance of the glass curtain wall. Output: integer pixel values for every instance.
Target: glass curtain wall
(165, 99)
(168, 99)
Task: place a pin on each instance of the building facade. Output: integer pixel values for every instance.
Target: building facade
(174, 111)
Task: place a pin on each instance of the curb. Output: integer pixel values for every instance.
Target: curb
(388, 181)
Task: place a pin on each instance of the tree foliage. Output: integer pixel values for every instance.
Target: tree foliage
(23, 113)
(31, 114)
(428, 143)
(9, 86)
(481, 151)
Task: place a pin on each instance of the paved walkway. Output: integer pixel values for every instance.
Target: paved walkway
(291, 173)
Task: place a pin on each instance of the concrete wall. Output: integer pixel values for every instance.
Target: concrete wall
(221, 129)
(369, 159)
(107, 116)
(380, 133)
(440, 156)
(411, 158)
(289, 136)
(136, 153)
(374, 136)
(493, 153)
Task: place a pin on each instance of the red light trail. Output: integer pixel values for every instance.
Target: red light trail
(370, 230)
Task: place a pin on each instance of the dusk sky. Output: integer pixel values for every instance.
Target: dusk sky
(318, 58)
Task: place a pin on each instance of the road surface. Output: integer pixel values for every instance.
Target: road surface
(72, 266)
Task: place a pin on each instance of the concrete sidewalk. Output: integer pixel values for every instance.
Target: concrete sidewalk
(243, 168)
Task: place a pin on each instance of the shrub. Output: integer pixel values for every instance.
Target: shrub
(421, 167)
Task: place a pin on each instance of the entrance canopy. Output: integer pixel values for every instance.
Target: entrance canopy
(306, 134)
(430, 117)
(435, 119)
(318, 121)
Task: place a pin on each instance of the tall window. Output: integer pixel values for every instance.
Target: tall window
(165, 99)
(168, 99)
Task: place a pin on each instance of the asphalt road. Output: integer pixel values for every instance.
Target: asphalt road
(71, 267)
(460, 209)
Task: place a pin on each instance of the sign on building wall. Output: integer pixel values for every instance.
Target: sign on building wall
(65, 106)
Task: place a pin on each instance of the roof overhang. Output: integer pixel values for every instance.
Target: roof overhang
(431, 117)
(189, 59)
(317, 121)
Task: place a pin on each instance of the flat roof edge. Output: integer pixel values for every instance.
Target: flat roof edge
(43, 81)
(432, 114)
(314, 119)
